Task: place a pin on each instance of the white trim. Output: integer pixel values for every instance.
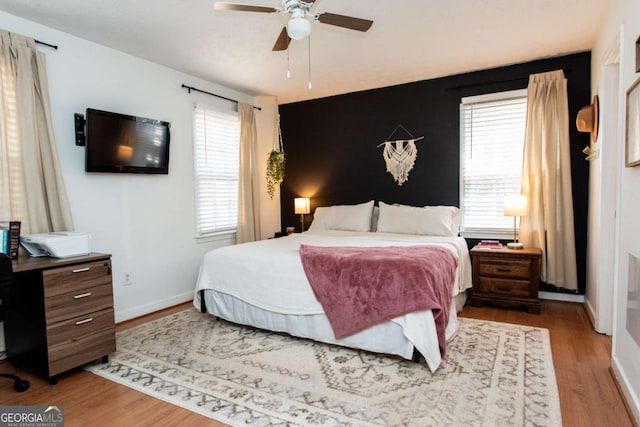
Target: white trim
(627, 390)
(487, 233)
(141, 310)
(619, 168)
(591, 313)
(557, 296)
(603, 195)
(216, 237)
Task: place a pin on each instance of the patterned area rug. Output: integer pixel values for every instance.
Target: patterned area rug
(494, 374)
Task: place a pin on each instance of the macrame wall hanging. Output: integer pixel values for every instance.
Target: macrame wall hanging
(400, 155)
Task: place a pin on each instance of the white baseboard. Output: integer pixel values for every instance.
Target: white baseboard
(632, 400)
(122, 315)
(591, 313)
(561, 297)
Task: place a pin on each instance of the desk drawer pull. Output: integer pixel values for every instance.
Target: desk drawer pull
(504, 270)
(82, 322)
(503, 288)
(80, 270)
(88, 294)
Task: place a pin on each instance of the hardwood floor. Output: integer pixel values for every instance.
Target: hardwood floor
(588, 394)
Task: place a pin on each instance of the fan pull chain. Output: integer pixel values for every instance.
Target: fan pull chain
(288, 64)
(309, 44)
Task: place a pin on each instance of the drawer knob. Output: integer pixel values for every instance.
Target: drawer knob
(503, 288)
(82, 322)
(88, 294)
(80, 270)
(504, 270)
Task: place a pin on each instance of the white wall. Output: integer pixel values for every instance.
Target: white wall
(145, 221)
(624, 21)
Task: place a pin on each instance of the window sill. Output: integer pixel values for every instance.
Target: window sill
(215, 237)
(487, 234)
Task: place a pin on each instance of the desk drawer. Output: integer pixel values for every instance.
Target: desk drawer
(75, 304)
(496, 267)
(492, 285)
(81, 350)
(76, 278)
(71, 329)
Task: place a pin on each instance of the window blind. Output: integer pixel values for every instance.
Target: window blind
(216, 137)
(492, 137)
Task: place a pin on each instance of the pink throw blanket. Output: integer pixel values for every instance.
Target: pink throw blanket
(359, 287)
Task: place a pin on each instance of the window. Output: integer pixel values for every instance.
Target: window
(492, 131)
(216, 136)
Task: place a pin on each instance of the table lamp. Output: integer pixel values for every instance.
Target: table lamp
(301, 207)
(515, 206)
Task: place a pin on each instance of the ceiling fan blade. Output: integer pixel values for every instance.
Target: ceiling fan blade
(349, 22)
(223, 5)
(283, 40)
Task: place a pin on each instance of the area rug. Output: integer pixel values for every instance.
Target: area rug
(494, 374)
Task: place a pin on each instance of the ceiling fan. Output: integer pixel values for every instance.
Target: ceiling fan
(298, 27)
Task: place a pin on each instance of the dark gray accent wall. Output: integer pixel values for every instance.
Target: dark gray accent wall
(332, 157)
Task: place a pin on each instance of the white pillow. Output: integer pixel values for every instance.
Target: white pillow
(343, 217)
(453, 212)
(430, 220)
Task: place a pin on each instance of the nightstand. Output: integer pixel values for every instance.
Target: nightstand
(506, 277)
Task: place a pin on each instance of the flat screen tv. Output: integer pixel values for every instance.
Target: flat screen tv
(126, 144)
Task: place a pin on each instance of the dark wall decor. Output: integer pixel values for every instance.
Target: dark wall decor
(333, 158)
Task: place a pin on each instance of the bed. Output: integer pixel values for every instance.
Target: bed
(264, 284)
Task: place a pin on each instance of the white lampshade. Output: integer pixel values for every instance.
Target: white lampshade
(298, 28)
(301, 205)
(515, 205)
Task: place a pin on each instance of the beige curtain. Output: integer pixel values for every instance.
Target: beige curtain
(249, 180)
(546, 179)
(31, 185)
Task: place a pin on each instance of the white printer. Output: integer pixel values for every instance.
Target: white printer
(59, 244)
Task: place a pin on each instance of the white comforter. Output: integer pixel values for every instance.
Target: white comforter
(268, 274)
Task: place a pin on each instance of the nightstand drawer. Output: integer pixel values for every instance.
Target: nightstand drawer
(496, 267)
(492, 285)
(72, 329)
(75, 304)
(76, 278)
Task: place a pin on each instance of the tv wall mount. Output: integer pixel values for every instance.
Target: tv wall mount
(80, 121)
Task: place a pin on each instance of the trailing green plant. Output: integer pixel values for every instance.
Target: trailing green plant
(275, 171)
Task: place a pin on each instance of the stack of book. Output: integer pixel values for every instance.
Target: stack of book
(489, 244)
(10, 238)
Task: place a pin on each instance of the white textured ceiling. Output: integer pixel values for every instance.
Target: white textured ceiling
(410, 40)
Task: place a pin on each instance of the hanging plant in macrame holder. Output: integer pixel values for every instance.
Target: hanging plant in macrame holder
(275, 164)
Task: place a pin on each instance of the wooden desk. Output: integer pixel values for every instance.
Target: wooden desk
(60, 313)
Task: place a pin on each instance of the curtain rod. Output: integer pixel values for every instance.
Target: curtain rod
(566, 72)
(52, 46)
(190, 88)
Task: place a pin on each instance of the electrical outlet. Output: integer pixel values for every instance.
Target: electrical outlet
(127, 279)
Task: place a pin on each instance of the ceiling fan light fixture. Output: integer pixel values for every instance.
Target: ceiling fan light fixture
(298, 28)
